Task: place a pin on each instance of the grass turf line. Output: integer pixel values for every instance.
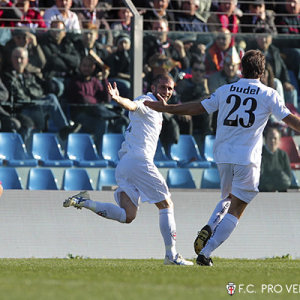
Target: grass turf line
(115, 279)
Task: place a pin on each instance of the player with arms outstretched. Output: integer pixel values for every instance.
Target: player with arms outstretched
(244, 109)
(137, 176)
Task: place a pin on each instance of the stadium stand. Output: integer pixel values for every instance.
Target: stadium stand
(161, 160)
(10, 178)
(47, 150)
(41, 179)
(288, 144)
(210, 179)
(76, 179)
(83, 152)
(13, 151)
(186, 153)
(106, 179)
(111, 144)
(180, 178)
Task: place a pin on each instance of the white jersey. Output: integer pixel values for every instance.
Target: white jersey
(243, 108)
(142, 134)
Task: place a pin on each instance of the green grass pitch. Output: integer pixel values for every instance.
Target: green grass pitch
(115, 279)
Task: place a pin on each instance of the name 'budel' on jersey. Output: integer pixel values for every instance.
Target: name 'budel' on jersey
(246, 90)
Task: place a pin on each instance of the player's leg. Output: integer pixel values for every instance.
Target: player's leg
(226, 175)
(244, 186)
(223, 230)
(167, 227)
(106, 210)
(205, 233)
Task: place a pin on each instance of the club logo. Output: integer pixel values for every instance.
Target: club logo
(230, 288)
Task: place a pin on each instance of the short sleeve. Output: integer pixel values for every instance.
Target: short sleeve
(279, 110)
(211, 104)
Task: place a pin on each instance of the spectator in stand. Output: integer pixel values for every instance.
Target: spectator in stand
(216, 53)
(276, 173)
(123, 24)
(22, 37)
(158, 42)
(224, 17)
(13, 123)
(195, 89)
(31, 17)
(257, 16)
(62, 59)
(119, 64)
(263, 42)
(90, 96)
(159, 11)
(88, 45)
(289, 23)
(9, 14)
(29, 95)
(61, 11)
(91, 11)
(229, 73)
(269, 80)
(187, 19)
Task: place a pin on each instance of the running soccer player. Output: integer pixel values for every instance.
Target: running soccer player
(244, 109)
(137, 176)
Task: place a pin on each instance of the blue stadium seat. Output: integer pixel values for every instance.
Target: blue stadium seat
(111, 144)
(41, 179)
(13, 151)
(106, 178)
(161, 160)
(180, 178)
(81, 149)
(295, 182)
(47, 150)
(210, 179)
(208, 147)
(76, 179)
(10, 178)
(187, 154)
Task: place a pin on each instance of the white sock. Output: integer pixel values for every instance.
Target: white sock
(106, 210)
(168, 230)
(222, 233)
(219, 213)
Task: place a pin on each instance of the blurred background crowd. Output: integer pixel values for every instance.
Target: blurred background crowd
(57, 56)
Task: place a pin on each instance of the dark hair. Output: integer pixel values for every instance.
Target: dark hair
(57, 21)
(270, 80)
(271, 127)
(160, 77)
(253, 64)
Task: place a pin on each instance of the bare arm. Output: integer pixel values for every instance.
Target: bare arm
(292, 121)
(124, 102)
(189, 108)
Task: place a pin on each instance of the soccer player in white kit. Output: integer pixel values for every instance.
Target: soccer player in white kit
(137, 176)
(244, 109)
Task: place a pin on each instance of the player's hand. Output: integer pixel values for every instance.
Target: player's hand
(113, 91)
(160, 105)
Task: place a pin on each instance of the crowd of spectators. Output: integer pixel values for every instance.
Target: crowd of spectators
(56, 57)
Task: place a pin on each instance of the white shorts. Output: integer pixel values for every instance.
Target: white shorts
(240, 180)
(140, 180)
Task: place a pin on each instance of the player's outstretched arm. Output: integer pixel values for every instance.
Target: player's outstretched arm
(189, 108)
(292, 121)
(124, 102)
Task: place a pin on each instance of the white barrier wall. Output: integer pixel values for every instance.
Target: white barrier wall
(34, 224)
